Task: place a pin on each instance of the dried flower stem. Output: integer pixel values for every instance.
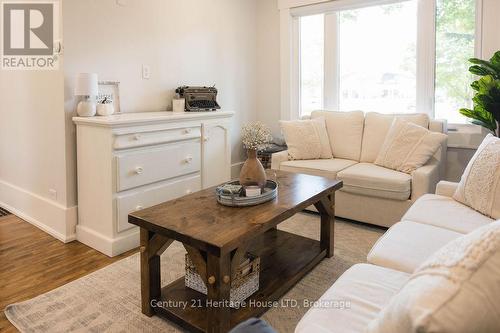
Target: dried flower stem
(254, 135)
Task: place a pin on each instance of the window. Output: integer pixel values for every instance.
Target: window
(386, 56)
(377, 61)
(311, 69)
(455, 30)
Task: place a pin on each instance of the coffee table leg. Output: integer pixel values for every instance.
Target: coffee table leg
(219, 287)
(150, 274)
(326, 208)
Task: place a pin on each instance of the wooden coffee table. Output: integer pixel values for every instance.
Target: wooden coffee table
(217, 237)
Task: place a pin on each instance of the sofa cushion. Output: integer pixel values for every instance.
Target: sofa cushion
(376, 181)
(457, 290)
(361, 292)
(479, 187)
(407, 146)
(345, 130)
(444, 212)
(324, 168)
(376, 127)
(406, 245)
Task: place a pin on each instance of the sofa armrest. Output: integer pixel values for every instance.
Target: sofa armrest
(425, 179)
(438, 125)
(446, 189)
(277, 158)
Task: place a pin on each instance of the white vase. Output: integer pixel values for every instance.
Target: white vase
(105, 109)
(86, 109)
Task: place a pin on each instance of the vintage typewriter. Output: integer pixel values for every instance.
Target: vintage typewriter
(199, 98)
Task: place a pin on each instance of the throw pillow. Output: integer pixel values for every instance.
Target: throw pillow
(345, 130)
(306, 139)
(320, 127)
(456, 290)
(479, 187)
(376, 127)
(408, 146)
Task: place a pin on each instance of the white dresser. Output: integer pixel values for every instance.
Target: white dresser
(132, 161)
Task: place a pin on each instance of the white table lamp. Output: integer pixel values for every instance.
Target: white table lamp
(86, 86)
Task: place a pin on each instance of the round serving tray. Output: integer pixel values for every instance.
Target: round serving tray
(269, 192)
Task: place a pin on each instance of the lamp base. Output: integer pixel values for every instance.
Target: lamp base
(86, 109)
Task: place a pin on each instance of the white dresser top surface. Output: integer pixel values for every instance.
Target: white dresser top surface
(131, 118)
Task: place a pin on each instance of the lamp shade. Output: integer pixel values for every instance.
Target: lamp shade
(86, 84)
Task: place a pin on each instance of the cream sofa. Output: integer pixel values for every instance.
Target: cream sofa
(371, 193)
(365, 289)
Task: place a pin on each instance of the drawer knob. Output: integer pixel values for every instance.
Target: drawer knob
(188, 159)
(206, 138)
(137, 136)
(187, 131)
(139, 207)
(139, 170)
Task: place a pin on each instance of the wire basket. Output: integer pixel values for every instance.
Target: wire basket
(244, 284)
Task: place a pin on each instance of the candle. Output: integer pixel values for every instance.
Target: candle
(253, 191)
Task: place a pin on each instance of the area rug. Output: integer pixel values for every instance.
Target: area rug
(108, 300)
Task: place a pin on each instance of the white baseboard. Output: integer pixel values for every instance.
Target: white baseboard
(106, 245)
(235, 169)
(52, 217)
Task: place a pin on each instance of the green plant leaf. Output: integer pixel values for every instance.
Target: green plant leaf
(480, 123)
(475, 85)
(486, 83)
(483, 117)
(483, 100)
(495, 60)
(466, 112)
(481, 71)
(486, 66)
(486, 110)
(485, 125)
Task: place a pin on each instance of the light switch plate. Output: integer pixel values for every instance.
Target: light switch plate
(146, 72)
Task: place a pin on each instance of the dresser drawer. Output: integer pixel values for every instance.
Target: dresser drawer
(155, 137)
(152, 165)
(125, 204)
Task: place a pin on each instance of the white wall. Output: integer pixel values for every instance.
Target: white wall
(183, 41)
(32, 150)
(269, 62)
(32, 154)
(32, 134)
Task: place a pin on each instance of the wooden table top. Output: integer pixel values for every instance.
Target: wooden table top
(200, 221)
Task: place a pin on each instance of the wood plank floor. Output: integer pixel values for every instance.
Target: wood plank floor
(32, 262)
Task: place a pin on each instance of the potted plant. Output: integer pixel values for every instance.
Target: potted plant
(486, 110)
(254, 136)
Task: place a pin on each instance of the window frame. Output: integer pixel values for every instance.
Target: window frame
(290, 50)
